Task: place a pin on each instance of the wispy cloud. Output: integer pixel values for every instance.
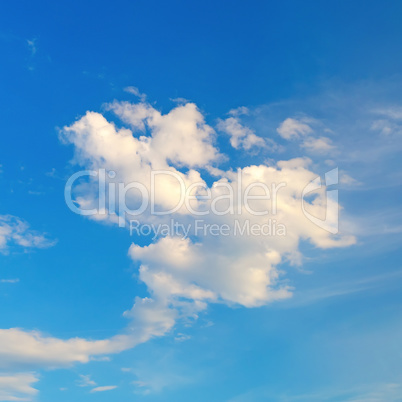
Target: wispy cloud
(136, 92)
(85, 381)
(104, 388)
(379, 392)
(16, 232)
(306, 297)
(32, 46)
(15, 280)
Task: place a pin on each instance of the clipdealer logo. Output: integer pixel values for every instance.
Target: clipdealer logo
(115, 197)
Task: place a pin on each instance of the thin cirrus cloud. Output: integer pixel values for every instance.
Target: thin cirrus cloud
(104, 388)
(85, 381)
(388, 121)
(15, 280)
(16, 232)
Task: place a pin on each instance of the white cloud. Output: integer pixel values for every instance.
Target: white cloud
(182, 276)
(293, 128)
(318, 145)
(374, 392)
(301, 130)
(98, 144)
(182, 337)
(32, 46)
(391, 122)
(235, 269)
(180, 100)
(393, 112)
(16, 280)
(348, 180)
(18, 386)
(242, 110)
(159, 374)
(16, 232)
(183, 125)
(135, 91)
(240, 136)
(19, 348)
(85, 381)
(104, 388)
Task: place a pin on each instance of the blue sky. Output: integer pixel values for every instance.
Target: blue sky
(281, 90)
